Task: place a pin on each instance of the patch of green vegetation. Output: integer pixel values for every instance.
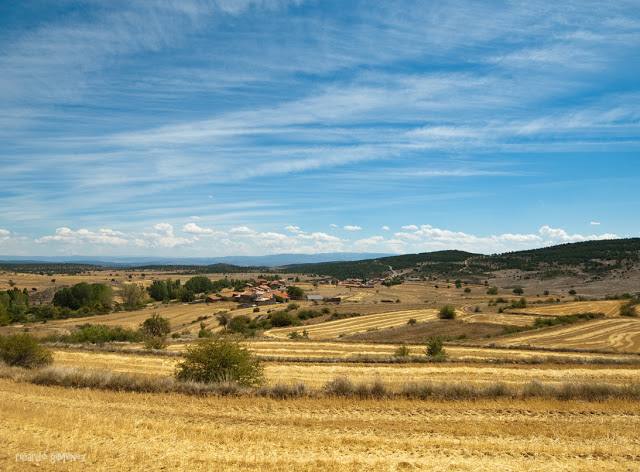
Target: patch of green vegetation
(566, 319)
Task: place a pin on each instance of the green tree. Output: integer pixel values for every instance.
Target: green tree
(133, 296)
(199, 284)
(158, 290)
(156, 326)
(295, 293)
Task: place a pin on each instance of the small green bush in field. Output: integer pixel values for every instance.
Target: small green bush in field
(435, 349)
(155, 342)
(156, 326)
(402, 351)
(447, 312)
(23, 350)
(220, 360)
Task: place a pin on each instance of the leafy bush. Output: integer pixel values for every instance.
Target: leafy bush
(435, 349)
(518, 290)
(156, 326)
(23, 350)
(307, 314)
(492, 291)
(522, 303)
(99, 334)
(220, 360)
(295, 293)
(566, 319)
(155, 342)
(282, 318)
(239, 324)
(402, 351)
(292, 306)
(628, 309)
(447, 312)
(412, 321)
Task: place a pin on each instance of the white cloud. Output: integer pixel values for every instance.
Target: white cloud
(410, 227)
(333, 225)
(163, 237)
(385, 228)
(559, 234)
(373, 240)
(4, 234)
(104, 236)
(595, 223)
(242, 230)
(293, 229)
(193, 228)
(352, 228)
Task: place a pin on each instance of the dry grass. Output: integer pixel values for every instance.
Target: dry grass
(133, 431)
(616, 334)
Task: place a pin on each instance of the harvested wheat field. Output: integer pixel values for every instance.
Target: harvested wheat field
(617, 334)
(608, 307)
(394, 375)
(358, 324)
(310, 350)
(103, 430)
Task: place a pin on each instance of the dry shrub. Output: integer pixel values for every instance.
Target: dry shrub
(283, 391)
(340, 387)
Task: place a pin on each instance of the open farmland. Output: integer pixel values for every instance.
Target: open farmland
(358, 324)
(617, 334)
(182, 316)
(127, 431)
(607, 307)
(310, 350)
(393, 375)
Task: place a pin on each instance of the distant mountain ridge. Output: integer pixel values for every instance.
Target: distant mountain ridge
(273, 260)
(589, 258)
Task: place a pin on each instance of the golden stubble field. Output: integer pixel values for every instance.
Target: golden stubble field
(393, 375)
(104, 430)
(617, 334)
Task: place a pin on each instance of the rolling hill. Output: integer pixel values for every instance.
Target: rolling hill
(590, 258)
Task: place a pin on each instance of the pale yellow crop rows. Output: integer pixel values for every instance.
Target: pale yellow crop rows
(619, 334)
(106, 431)
(358, 324)
(341, 350)
(395, 375)
(608, 307)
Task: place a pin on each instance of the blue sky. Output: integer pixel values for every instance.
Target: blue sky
(206, 128)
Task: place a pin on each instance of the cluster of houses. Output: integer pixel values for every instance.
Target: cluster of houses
(263, 292)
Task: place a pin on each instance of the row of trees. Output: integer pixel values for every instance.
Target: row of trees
(97, 297)
(165, 290)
